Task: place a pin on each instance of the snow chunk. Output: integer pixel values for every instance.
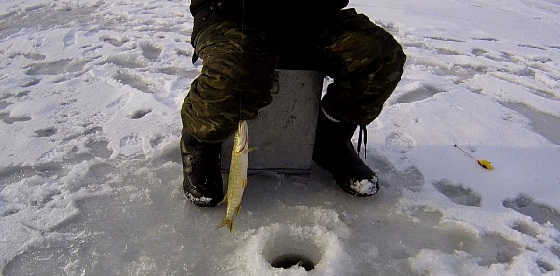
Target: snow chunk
(365, 186)
(433, 262)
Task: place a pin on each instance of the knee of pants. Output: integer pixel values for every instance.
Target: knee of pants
(221, 72)
(211, 133)
(230, 86)
(390, 53)
(359, 96)
(208, 119)
(232, 70)
(368, 51)
(210, 129)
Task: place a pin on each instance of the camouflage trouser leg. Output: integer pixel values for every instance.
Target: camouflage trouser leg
(234, 83)
(366, 63)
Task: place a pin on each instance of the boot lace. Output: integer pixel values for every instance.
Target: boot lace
(362, 137)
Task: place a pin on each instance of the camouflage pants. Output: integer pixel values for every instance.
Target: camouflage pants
(364, 60)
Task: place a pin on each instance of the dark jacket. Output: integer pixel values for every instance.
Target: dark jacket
(197, 5)
(270, 16)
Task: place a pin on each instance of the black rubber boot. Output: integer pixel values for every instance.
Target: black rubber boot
(333, 151)
(202, 182)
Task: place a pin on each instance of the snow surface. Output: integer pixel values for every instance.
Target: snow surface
(90, 93)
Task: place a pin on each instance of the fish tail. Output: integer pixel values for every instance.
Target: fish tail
(228, 223)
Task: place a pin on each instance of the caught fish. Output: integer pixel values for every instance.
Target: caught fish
(237, 179)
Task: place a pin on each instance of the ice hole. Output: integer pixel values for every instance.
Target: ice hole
(292, 249)
(288, 261)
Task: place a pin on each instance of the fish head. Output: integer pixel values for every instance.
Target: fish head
(241, 138)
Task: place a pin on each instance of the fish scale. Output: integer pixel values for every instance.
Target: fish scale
(237, 178)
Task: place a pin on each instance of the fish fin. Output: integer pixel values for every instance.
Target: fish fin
(251, 149)
(239, 150)
(223, 200)
(228, 223)
(237, 210)
(243, 136)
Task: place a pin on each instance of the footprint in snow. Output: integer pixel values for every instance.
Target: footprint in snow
(478, 52)
(126, 61)
(458, 193)
(418, 92)
(540, 213)
(488, 248)
(399, 142)
(4, 104)
(100, 170)
(525, 228)
(411, 178)
(502, 57)
(149, 50)
(87, 132)
(540, 122)
(55, 67)
(135, 81)
(178, 71)
(447, 52)
(544, 266)
(8, 212)
(184, 53)
(139, 113)
(114, 41)
(10, 120)
(22, 94)
(156, 140)
(13, 174)
(46, 132)
(30, 56)
(30, 83)
(492, 248)
(489, 39)
(99, 148)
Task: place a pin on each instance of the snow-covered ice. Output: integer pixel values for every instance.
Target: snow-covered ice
(90, 173)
